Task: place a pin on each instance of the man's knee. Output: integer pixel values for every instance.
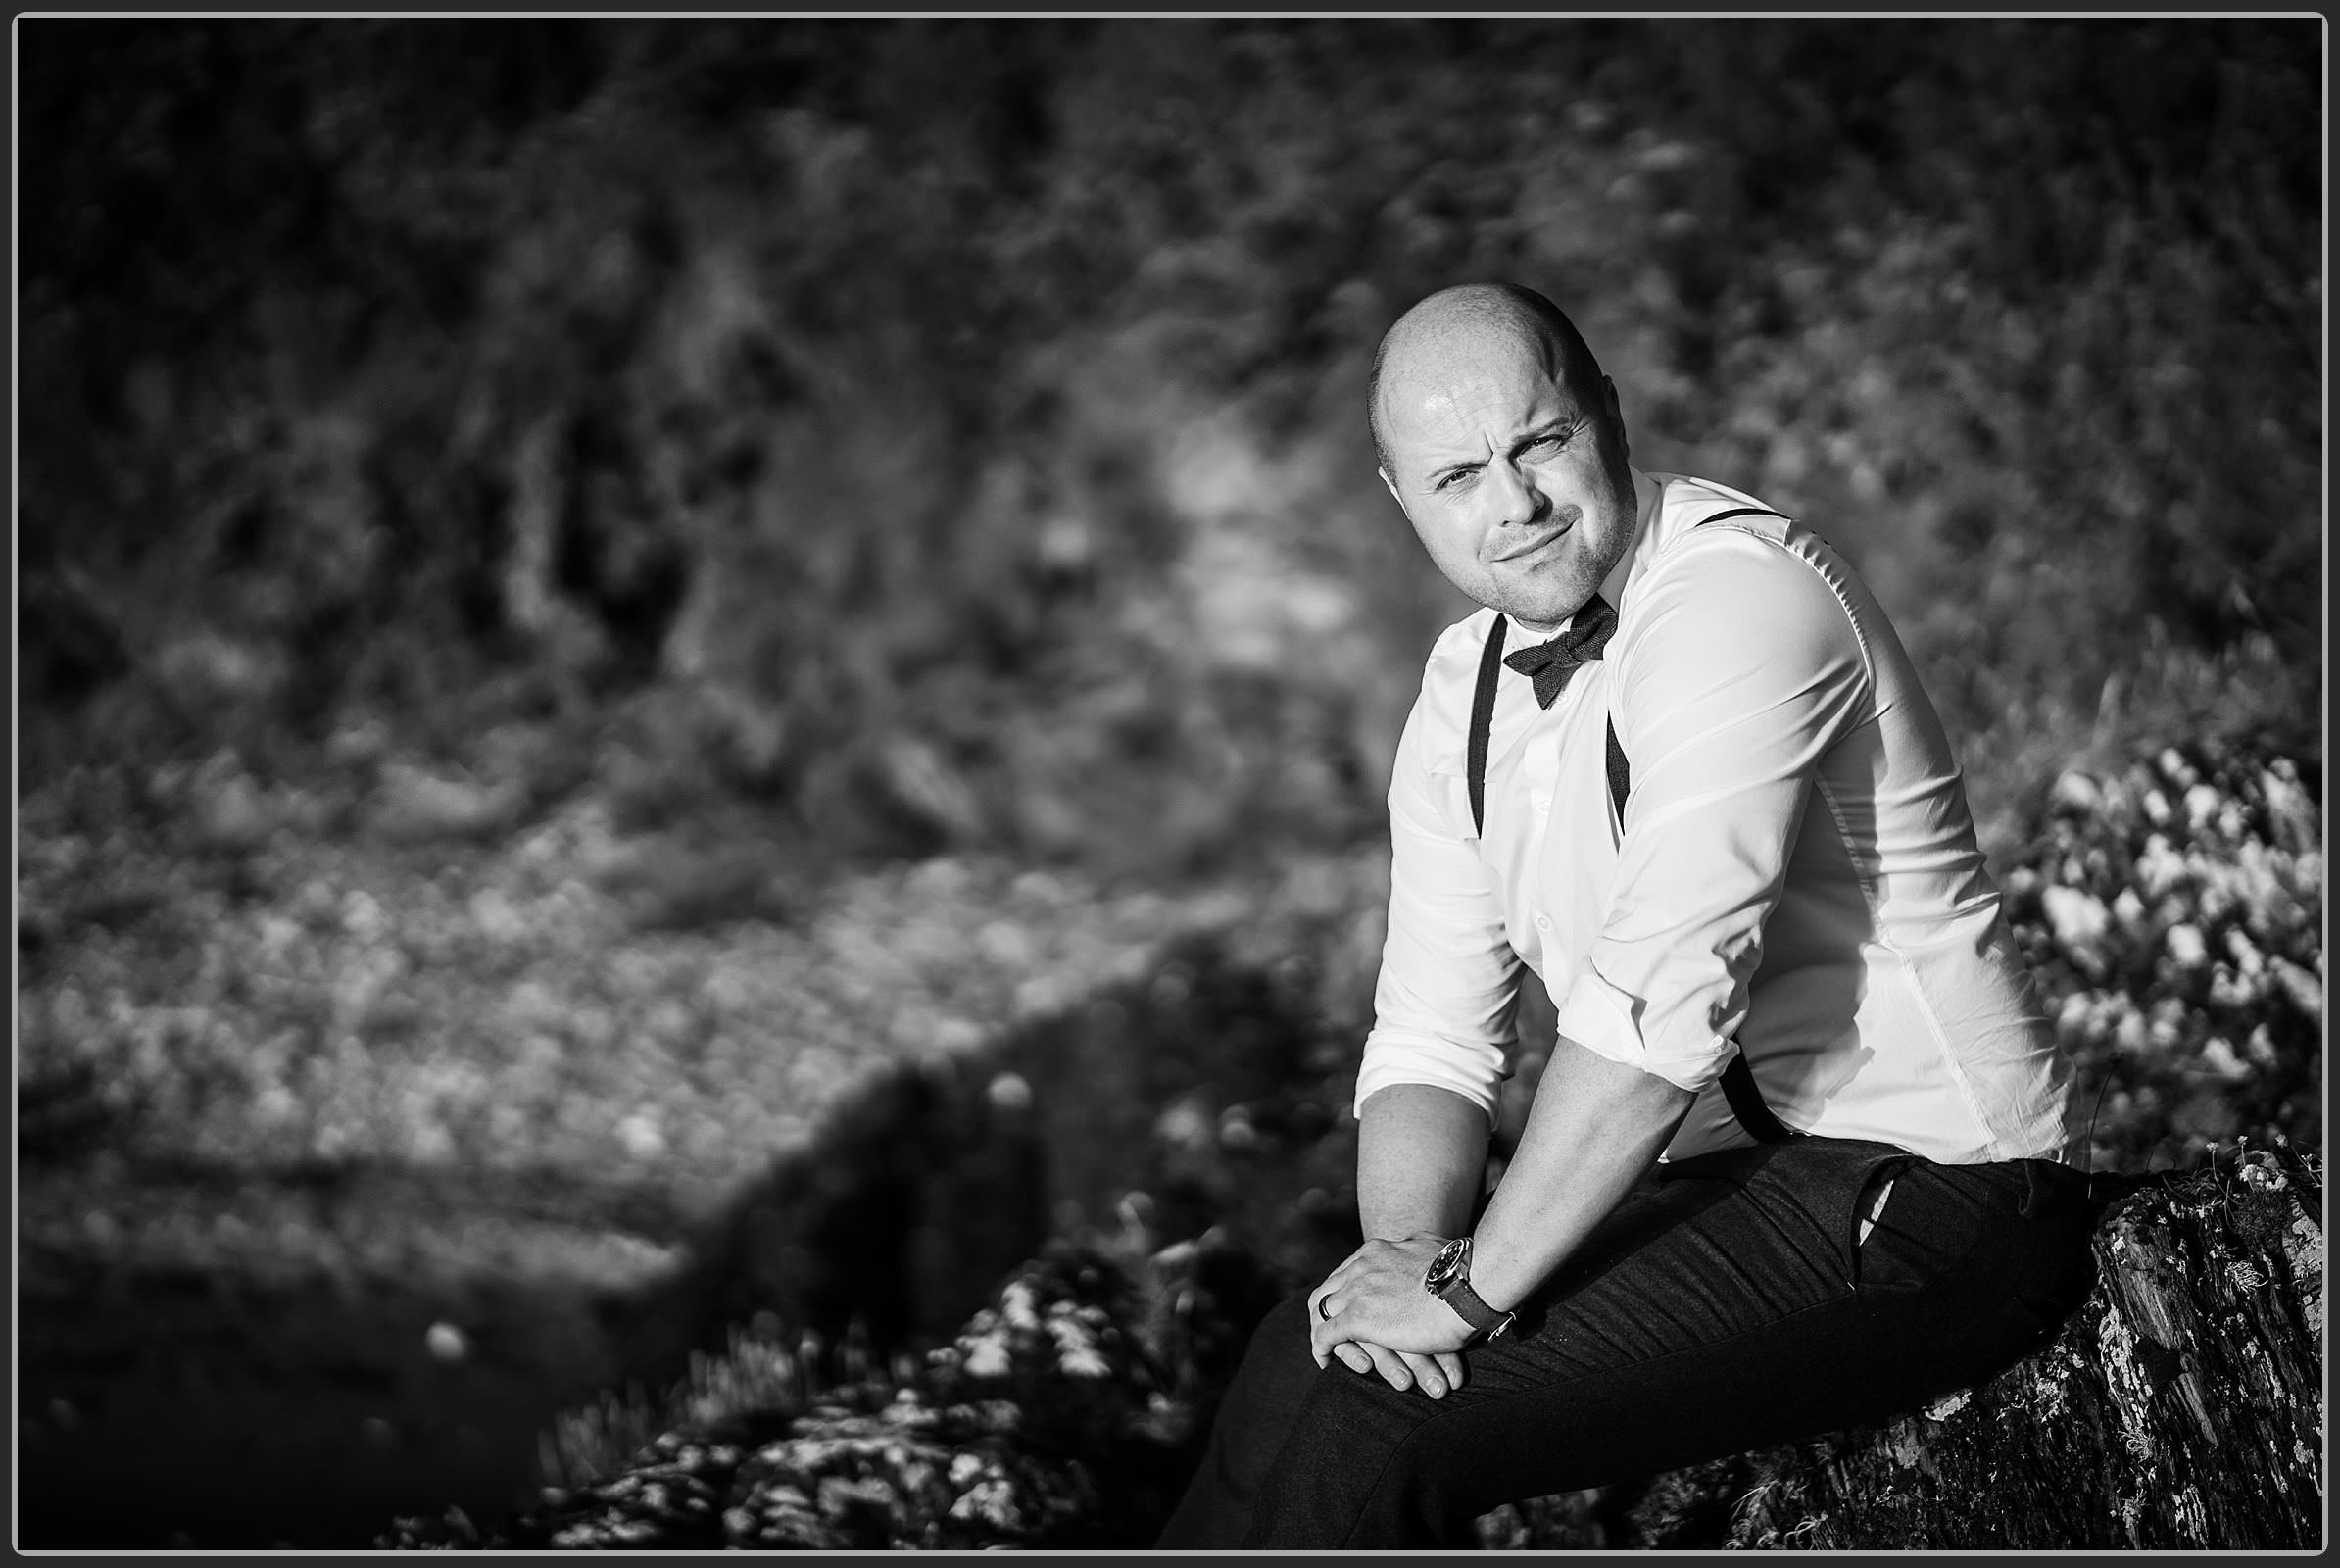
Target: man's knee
(1336, 1410)
(1364, 1456)
(1273, 1382)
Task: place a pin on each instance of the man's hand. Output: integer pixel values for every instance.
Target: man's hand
(1373, 1313)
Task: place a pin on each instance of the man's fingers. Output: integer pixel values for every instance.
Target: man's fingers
(1436, 1375)
(1430, 1374)
(1323, 1334)
(1392, 1366)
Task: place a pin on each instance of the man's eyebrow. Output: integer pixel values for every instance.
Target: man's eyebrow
(1557, 424)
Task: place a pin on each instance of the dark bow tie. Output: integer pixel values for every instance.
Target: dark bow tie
(1550, 665)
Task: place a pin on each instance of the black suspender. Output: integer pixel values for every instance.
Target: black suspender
(1739, 1080)
(1746, 1103)
(1621, 777)
(1483, 718)
(1739, 512)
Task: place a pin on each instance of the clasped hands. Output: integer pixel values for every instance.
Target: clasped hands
(1373, 1314)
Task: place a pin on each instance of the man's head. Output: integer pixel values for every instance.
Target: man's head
(1503, 443)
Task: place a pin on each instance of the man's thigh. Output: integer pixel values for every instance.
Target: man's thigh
(1720, 1309)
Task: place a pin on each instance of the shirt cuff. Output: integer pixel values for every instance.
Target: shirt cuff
(1601, 1018)
(1475, 1072)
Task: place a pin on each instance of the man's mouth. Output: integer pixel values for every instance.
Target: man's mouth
(1536, 541)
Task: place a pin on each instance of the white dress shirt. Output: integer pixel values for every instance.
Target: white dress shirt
(1797, 871)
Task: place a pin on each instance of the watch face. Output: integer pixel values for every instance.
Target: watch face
(1448, 1266)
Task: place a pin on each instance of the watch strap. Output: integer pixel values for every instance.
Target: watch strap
(1466, 1302)
(1483, 1318)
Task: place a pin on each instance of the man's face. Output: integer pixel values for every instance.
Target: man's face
(1517, 486)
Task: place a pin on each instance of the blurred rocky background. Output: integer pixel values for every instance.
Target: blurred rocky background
(688, 677)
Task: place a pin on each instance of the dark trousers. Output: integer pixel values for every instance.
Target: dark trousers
(1724, 1306)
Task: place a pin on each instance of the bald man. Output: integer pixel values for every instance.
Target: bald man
(1801, 1154)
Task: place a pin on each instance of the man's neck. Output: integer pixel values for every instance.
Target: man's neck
(1646, 494)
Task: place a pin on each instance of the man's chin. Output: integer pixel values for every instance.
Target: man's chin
(1544, 611)
(1549, 594)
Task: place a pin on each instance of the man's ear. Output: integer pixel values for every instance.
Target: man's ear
(1608, 387)
(1391, 486)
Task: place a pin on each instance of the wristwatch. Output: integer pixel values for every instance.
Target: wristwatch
(1450, 1280)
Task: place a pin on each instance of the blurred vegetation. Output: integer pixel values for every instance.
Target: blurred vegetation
(946, 434)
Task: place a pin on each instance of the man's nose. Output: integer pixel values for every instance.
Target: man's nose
(1516, 501)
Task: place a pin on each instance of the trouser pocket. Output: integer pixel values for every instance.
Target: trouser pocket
(1822, 1186)
(2022, 1223)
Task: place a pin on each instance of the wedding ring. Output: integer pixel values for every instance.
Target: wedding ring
(1324, 1308)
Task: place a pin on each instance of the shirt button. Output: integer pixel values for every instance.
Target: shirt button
(1543, 922)
(1543, 802)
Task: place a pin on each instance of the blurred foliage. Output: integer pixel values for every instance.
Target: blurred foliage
(2172, 912)
(946, 434)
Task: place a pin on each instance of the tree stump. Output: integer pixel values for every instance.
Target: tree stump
(2181, 1408)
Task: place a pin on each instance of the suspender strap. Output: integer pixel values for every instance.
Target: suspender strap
(1746, 1103)
(1483, 720)
(1621, 777)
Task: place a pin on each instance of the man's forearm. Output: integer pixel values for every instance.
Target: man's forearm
(1421, 1161)
(1595, 1129)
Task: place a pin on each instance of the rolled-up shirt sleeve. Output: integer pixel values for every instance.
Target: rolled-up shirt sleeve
(1741, 669)
(1448, 990)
